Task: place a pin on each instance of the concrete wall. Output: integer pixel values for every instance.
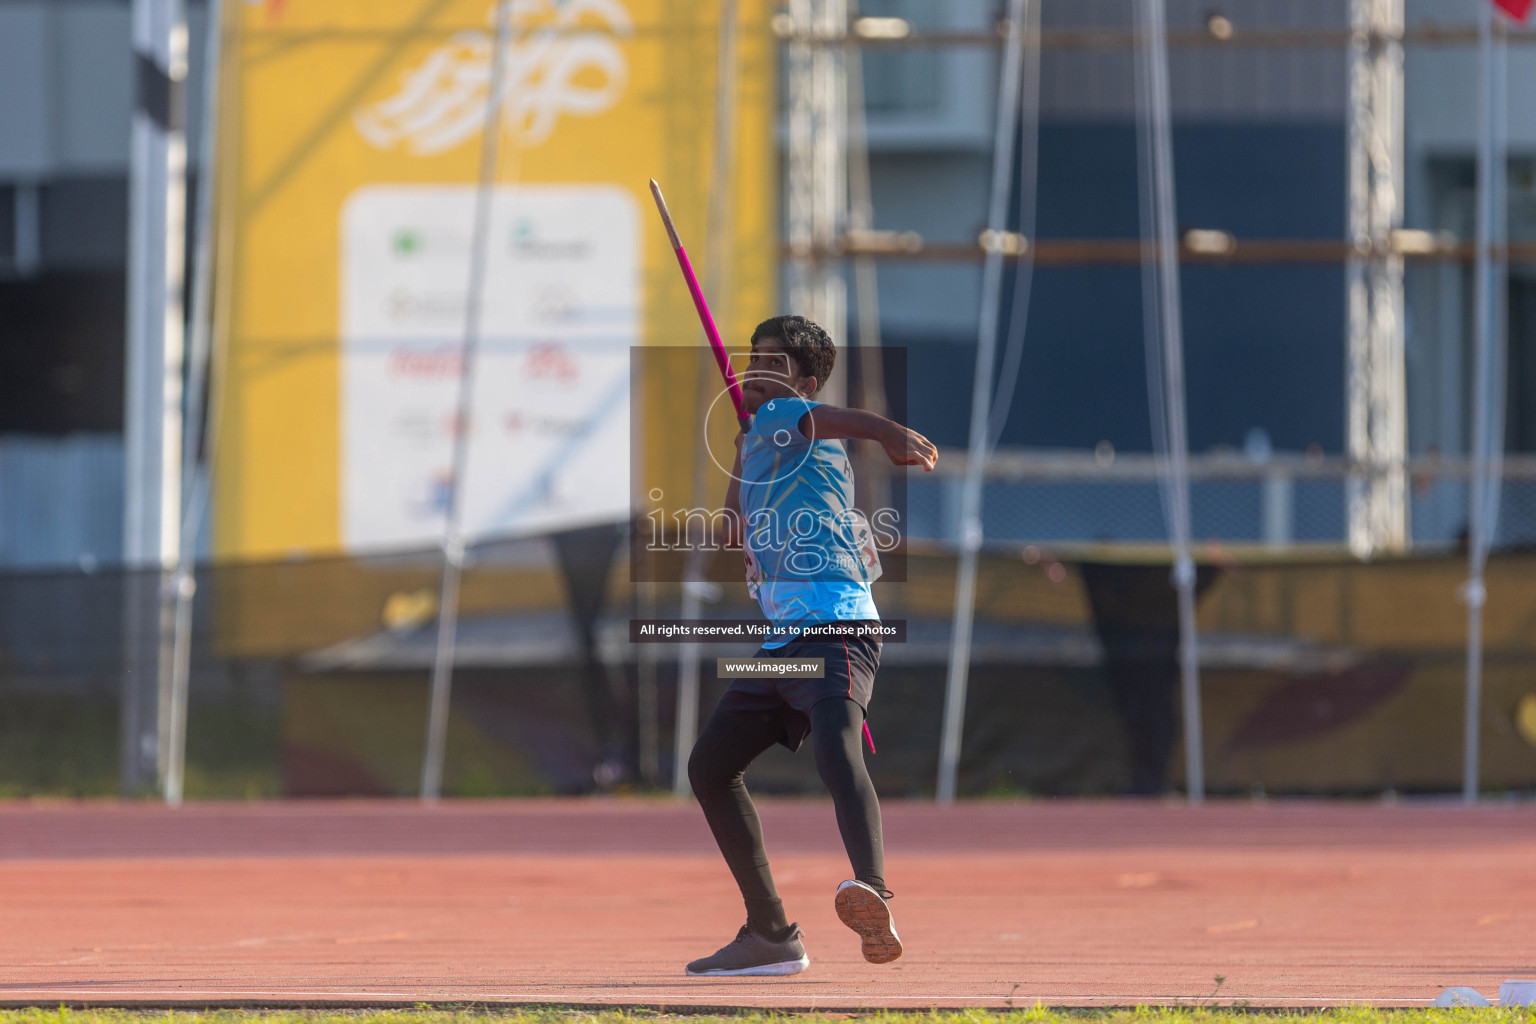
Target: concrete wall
(66, 87)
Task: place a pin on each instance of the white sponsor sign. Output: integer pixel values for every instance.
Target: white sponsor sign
(549, 444)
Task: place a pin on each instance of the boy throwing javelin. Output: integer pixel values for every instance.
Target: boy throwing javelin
(809, 564)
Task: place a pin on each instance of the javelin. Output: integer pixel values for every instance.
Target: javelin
(710, 330)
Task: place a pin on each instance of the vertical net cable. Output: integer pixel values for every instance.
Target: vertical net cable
(1165, 354)
(1496, 274)
(983, 386)
(1024, 274)
(453, 539)
(1151, 295)
(1490, 361)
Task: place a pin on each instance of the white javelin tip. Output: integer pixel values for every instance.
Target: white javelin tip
(666, 217)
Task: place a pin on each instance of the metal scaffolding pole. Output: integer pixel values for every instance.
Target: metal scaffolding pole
(799, 171)
(981, 401)
(1376, 414)
(717, 256)
(153, 414)
(1163, 318)
(818, 167)
(157, 226)
(1238, 38)
(453, 528)
(194, 485)
(1488, 374)
(861, 219)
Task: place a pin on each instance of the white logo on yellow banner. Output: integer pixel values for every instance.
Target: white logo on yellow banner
(563, 58)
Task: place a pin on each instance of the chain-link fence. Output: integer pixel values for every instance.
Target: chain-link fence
(1320, 673)
(1277, 501)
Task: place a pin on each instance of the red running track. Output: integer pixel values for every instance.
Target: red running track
(603, 901)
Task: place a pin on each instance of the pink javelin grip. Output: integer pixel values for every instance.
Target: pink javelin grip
(710, 330)
(713, 333)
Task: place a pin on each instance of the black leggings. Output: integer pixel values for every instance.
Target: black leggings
(732, 740)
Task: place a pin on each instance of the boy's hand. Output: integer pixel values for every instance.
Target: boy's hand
(909, 448)
(905, 447)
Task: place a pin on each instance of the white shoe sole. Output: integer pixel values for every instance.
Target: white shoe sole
(861, 908)
(777, 970)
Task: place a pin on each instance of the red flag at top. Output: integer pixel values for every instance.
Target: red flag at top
(1517, 9)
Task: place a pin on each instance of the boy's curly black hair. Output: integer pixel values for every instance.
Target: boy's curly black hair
(805, 341)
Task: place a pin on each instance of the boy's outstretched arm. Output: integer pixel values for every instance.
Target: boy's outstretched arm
(905, 447)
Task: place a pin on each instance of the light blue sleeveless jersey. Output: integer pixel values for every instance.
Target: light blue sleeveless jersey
(803, 549)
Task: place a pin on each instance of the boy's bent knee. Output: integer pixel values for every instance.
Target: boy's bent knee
(706, 774)
(699, 774)
(835, 737)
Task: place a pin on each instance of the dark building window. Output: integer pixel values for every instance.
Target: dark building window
(61, 352)
(62, 325)
(85, 223)
(7, 230)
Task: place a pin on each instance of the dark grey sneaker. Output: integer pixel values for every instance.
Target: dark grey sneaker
(866, 912)
(750, 954)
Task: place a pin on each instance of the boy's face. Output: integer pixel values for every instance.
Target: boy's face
(771, 373)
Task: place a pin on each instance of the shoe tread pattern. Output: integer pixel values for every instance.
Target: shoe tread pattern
(867, 914)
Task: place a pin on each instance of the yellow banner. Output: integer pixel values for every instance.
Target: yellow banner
(351, 136)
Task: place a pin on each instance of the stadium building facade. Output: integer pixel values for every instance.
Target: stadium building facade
(1260, 141)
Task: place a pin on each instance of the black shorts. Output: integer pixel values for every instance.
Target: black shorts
(849, 673)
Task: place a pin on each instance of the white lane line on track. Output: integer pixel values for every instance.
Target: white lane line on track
(674, 998)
